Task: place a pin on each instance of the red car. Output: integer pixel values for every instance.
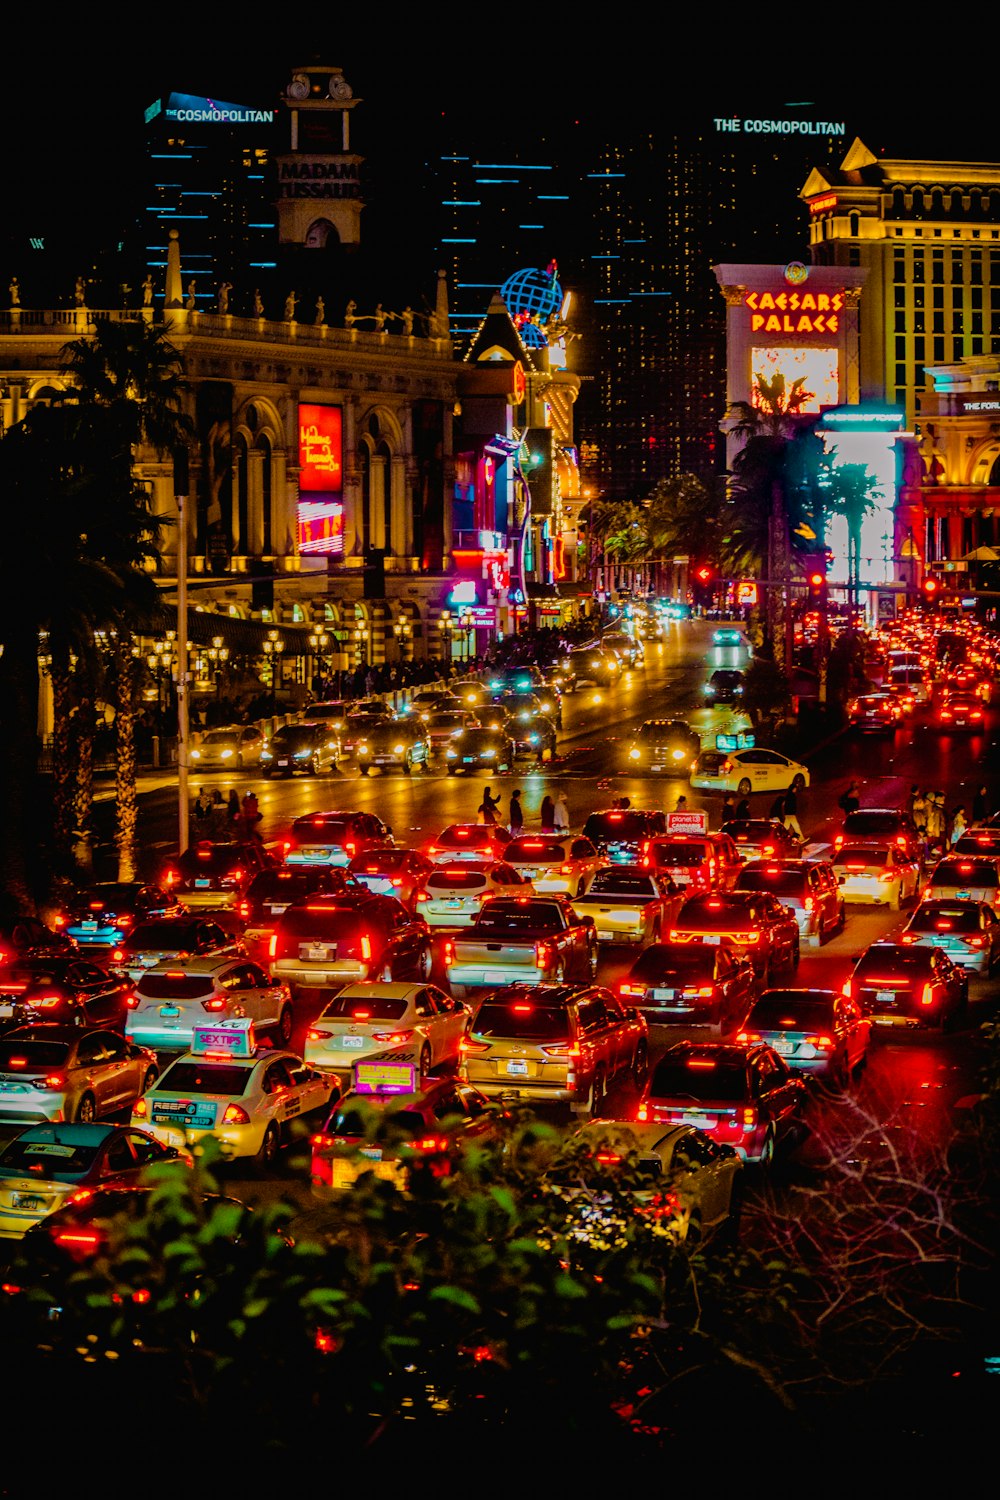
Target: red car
(746, 1097)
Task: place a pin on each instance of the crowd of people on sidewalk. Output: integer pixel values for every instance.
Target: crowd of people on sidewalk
(553, 815)
(218, 817)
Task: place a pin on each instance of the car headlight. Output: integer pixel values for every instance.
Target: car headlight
(451, 754)
(488, 754)
(301, 754)
(398, 749)
(196, 755)
(226, 754)
(267, 754)
(677, 754)
(364, 750)
(738, 689)
(634, 754)
(706, 687)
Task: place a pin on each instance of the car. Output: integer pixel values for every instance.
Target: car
(728, 635)
(393, 744)
(878, 713)
(594, 665)
(391, 872)
(695, 862)
(877, 875)
(174, 996)
(742, 1095)
(900, 985)
(479, 748)
(531, 939)
(527, 678)
(707, 766)
(185, 936)
(554, 1043)
(555, 863)
(809, 888)
(540, 702)
(441, 727)
(47, 1165)
(677, 609)
(629, 904)
(102, 915)
(75, 991)
(762, 838)
(904, 695)
(416, 1023)
(960, 711)
(271, 891)
(754, 770)
(378, 708)
(968, 931)
(335, 837)
(247, 1097)
(25, 936)
(755, 924)
(310, 746)
(627, 648)
(879, 825)
(690, 984)
(214, 873)
(561, 675)
(965, 878)
(360, 723)
(669, 746)
(453, 895)
(971, 682)
(911, 685)
(330, 711)
(231, 747)
(533, 736)
(978, 840)
(820, 1033)
(394, 1135)
(427, 701)
(726, 685)
(619, 834)
(54, 1072)
(477, 841)
(322, 941)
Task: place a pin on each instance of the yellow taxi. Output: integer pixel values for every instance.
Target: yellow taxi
(555, 862)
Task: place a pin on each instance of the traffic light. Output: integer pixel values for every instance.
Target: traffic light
(817, 590)
(930, 587)
(704, 575)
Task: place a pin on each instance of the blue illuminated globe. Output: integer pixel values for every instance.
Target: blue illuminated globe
(535, 293)
(532, 337)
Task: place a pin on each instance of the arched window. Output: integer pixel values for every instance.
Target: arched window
(898, 203)
(917, 201)
(854, 221)
(242, 497)
(383, 452)
(994, 478)
(365, 475)
(264, 448)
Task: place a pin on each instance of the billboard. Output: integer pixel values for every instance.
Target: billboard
(321, 479)
(819, 368)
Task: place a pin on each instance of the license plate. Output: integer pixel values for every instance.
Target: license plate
(519, 1067)
(885, 997)
(88, 926)
(713, 938)
(6, 1010)
(785, 1049)
(702, 1122)
(275, 911)
(317, 955)
(664, 994)
(26, 1200)
(964, 896)
(169, 1012)
(494, 976)
(452, 901)
(13, 1088)
(371, 1153)
(282, 762)
(202, 885)
(657, 767)
(468, 760)
(352, 1041)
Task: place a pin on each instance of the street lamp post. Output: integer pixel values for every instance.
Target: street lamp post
(466, 622)
(319, 645)
(403, 631)
(218, 655)
(273, 647)
(362, 636)
(447, 627)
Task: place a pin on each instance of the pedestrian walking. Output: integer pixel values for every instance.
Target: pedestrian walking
(936, 820)
(547, 814)
(918, 806)
(488, 808)
(250, 814)
(742, 809)
(790, 814)
(201, 805)
(516, 813)
(233, 809)
(981, 805)
(216, 819)
(778, 807)
(728, 808)
(561, 824)
(850, 801)
(959, 824)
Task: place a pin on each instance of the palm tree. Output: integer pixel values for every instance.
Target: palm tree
(851, 491)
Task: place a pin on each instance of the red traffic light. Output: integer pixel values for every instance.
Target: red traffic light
(930, 585)
(704, 574)
(816, 580)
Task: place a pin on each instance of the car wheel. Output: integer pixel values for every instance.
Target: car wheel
(596, 1096)
(86, 1110)
(744, 788)
(268, 1153)
(283, 1029)
(149, 1080)
(767, 1152)
(798, 782)
(364, 770)
(425, 1062)
(425, 964)
(406, 766)
(640, 1066)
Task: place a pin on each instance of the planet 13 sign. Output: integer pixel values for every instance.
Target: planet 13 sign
(804, 314)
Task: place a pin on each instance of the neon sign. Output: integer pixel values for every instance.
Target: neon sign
(794, 312)
(320, 449)
(820, 205)
(321, 527)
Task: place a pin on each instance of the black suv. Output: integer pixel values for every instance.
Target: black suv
(620, 833)
(667, 745)
(724, 686)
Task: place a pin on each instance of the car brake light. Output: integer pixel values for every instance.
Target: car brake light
(847, 988)
(927, 995)
(562, 1049)
(422, 896)
(43, 1002)
(430, 1143)
(544, 954)
(566, 869)
(117, 956)
(366, 946)
(523, 1009)
(139, 1109)
(448, 956)
(749, 1116)
(901, 840)
(822, 1041)
(132, 1002)
(748, 1036)
(748, 937)
(702, 991)
(432, 849)
(351, 848)
(838, 841)
(631, 989)
(315, 1035)
(888, 876)
(395, 1037)
(244, 909)
(977, 942)
(467, 1045)
(642, 1113)
(77, 1241)
(909, 938)
(215, 1004)
(701, 1062)
(235, 1114)
(608, 1158)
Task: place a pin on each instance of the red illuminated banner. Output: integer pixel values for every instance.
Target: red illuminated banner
(320, 450)
(321, 527)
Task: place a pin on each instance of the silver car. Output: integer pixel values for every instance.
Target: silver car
(50, 1072)
(174, 997)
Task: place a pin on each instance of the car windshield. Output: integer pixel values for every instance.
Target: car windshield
(515, 917)
(160, 936)
(220, 736)
(195, 1076)
(680, 855)
(51, 1160)
(778, 882)
(174, 986)
(611, 827)
(27, 1055)
(659, 730)
(348, 1007)
(289, 739)
(932, 916)
(534, 852)
(614, 883)
(522, 1019)
(659, 962)
(698, 1078)
(891, 958)
(961, 873)
(726, 678)
(783, 1008)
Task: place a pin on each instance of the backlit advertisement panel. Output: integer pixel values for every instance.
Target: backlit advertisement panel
(321, 459)
(818, 369)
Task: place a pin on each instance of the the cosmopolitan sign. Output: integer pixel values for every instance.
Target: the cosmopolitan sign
(732, 125)
(188, 109)
(800, 313)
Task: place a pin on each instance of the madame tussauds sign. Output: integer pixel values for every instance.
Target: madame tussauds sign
(318, 179)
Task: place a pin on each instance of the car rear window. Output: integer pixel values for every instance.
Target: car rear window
(107, 897)
(285, 884)
(179, 986)
(710, 760)
(364, 1008)
(464, 838)
(690, 963)
(354, 1124)
(28, 1055)
(872, 822)
(962, 917)
(523, 1020)
(455, 880)
(715, 1080)
(533, 852)
(613, 883)
(960, 873)
(160, 936)
(797, 1012)
(183, 1077)
(516, 917)
(611, 827)
(215, 861)
(379, 860)
(715, 914)
(682, 856)
(863, 857)
(317, 830)
(752, 828)
(53, 1160)
(334, 923)
(894, 960)
(778, 882)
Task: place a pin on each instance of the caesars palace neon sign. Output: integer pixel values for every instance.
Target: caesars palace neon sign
(794, 312)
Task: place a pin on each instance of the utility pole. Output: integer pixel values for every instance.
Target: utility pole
(181, 489)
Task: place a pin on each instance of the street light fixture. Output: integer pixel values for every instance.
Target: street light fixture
(273, 647)
(218, 655)
(362, 635)
(403, 631)
(466, 621)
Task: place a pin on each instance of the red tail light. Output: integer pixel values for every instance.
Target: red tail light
(421, 896)
(315, 1035)
(466, 1044)
(908, 938)
(749, 1115)
(562, 1049)
(139, 1109)
(888, 876)
(544, 954)
(351, 848)
(927, 995)
(809, 903)
(631, 989)
(642, 1113)
(117, 956)
(55, 1081)
(366, 947)
(977, 942)
(823, 1041)
(847, 988)
(215, 1004)
(132, 1002)
(171, 877)
(235, 1115)
(272, 947)
(77, 1241)
(608, 1158)
(448, 957)
(44, 1002)
(901, 840)
(395, 1037)
(748, 1036)
(431, 1143)
(243, 907)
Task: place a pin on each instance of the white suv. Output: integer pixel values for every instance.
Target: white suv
(175, 996)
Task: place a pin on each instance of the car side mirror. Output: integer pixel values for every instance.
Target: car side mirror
(841, 879)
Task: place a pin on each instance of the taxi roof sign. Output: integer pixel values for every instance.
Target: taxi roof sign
(384, 1077)
(225, 1039)
(741, 740)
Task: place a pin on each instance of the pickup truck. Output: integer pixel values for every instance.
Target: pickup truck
(522, 940)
